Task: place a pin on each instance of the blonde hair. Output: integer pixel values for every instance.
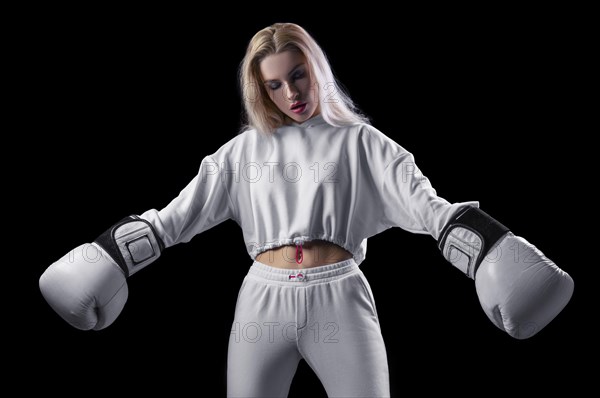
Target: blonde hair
(262, 114)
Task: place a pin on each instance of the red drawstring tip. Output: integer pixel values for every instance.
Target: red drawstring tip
(299, 254)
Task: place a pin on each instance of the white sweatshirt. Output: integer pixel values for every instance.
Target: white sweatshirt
(306, 181)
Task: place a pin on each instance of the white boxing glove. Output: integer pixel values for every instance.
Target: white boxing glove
(518, 287)
(87, 287)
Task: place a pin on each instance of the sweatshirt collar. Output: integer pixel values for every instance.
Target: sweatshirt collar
(313, 121)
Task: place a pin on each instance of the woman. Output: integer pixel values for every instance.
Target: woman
(308, 180)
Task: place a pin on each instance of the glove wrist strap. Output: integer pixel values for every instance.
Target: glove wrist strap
(132, 243)
(468, 237)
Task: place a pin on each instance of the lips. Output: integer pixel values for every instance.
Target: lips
(298, 107)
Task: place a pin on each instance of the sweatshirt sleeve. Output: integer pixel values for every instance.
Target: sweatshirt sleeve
(201, 205)
(407, 197)
(409, 200)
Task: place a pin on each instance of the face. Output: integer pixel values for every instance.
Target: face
(287, 80)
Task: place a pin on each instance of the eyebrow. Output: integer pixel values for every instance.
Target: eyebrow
(292, 71)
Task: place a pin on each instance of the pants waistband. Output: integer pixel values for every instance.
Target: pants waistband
(304, 276)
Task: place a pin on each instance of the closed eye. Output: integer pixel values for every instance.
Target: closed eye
(273, 85)
(298, 75)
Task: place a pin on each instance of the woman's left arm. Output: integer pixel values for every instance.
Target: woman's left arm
(519, 288)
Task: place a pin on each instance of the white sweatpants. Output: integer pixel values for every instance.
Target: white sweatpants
(326, 315)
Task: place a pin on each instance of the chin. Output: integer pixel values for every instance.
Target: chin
(299, 118)
(307, 114)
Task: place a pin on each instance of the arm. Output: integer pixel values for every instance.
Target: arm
(519, 288)
(411, 202)
(87, 287)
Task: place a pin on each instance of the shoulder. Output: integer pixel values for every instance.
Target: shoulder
(377, 141)
(237, 146)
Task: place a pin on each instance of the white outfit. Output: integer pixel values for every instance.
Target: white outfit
(311, 181)
(306, 181)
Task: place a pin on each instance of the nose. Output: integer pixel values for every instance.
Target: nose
(291, 92)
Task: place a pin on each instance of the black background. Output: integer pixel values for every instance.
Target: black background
(118, 107)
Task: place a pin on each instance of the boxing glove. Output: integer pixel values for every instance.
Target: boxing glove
(87, 287)
(519, 288)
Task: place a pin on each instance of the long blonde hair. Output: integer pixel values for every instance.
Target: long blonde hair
(262, 114)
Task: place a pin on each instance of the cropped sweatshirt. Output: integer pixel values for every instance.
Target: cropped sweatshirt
(304, 182)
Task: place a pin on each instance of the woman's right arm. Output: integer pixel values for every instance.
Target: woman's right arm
(87, 286)
(201, 205)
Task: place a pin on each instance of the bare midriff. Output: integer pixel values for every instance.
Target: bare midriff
(315, 253)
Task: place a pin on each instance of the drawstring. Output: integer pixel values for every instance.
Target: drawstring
(299, 254)
(298, 277)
